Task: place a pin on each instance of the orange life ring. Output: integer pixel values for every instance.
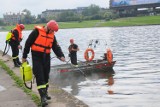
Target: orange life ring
(86, 56)
(109, 55)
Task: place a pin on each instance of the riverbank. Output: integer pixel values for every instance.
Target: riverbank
(10, 94)
(130, 21)
(60, 98)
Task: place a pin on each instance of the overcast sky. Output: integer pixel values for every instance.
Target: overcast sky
(37, 6)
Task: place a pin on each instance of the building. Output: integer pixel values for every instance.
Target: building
(12, 18)
(54, 13)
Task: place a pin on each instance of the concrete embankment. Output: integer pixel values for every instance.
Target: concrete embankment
(13, 96)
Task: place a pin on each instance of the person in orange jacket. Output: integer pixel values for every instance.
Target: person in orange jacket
(41, 40)
(15, 43)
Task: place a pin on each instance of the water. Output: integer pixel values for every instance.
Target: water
(135, 79)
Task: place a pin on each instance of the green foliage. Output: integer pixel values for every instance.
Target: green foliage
(68, 16)
(27, 17)
(91, 10)
(1, 22)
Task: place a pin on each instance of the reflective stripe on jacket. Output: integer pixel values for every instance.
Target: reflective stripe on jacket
(44, 41)
(19, 33)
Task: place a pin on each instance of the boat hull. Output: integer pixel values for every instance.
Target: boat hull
(100, 65)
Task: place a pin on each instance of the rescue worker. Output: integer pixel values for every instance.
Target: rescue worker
(41, 40)
(73, 48)
(15, 43)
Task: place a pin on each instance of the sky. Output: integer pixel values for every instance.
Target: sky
(38, 6)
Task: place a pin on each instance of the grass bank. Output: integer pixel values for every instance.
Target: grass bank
(131, 21)
(20, 84)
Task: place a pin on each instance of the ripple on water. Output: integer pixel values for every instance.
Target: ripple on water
(136, 79)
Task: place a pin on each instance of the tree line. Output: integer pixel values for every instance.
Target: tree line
(92, 12)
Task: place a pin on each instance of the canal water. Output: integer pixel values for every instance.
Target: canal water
(135, 78)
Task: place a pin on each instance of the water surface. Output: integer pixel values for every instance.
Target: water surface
(135, 78)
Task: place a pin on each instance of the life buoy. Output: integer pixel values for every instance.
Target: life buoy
(109, 55)
(86, 54)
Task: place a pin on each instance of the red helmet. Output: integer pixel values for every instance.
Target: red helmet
(71, 40)
(22, 26)
(52, 25)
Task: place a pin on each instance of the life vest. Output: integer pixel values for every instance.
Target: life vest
(19, 33)
(44, 41)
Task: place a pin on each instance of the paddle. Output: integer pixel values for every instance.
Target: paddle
(78, 69)
(72, 65)
(82, 72)
(59, 59)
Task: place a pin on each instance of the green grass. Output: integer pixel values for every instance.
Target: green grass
(83, 24)
(62, 25)
(131, 21)
(20, 84)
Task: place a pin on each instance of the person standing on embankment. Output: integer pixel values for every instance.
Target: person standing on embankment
(41, 41)
(14, 42)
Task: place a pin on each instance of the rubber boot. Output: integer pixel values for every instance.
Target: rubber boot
(43, 101)
(15, 63)
(42, 93)
(18, 61)
(47, 96)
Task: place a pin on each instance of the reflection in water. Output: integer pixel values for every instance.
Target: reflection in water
(110, 81)
(73, 79)
(108, 75)
(65, 79)
(136, 50)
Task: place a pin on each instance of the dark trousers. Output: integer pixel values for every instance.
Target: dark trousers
(15, 50)
(41, 69)
(73, 58)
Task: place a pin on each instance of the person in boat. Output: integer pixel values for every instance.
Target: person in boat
(73, 48)
(41, 40)
(14, 42)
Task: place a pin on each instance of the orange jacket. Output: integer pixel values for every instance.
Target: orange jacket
(44, 41)
(19, 33)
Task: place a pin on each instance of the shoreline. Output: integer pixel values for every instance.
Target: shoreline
(120, 22)
(60, 98)
(95, 27)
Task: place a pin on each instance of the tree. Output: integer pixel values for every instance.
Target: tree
(68, 16)
(110, 14)
(40, 19)
(91, 10)
(1, 22)
(27, 18)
